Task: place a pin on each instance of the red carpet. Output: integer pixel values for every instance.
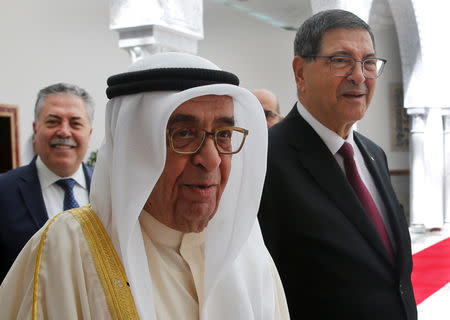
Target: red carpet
(431, 270)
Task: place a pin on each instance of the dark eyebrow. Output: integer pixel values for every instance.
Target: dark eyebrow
(346, 53)
(51, 115)
(228, 121)
(181, 118)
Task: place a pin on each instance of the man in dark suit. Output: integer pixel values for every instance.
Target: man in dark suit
(32, 194)
(329, 214)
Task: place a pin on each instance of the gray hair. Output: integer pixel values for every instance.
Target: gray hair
(64, 88)
(309, 36)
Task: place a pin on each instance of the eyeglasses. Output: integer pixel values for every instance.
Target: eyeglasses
(228, 140)
(270, 114)
(342, 66)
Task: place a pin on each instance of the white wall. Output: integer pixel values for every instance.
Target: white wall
(260, 54)
(48, 41)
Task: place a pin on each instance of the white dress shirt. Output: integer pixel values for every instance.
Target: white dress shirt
(54, 194)
(334, 142)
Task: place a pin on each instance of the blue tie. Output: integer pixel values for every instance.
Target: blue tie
(69, 199)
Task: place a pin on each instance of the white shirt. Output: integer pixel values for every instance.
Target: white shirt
(334, 142)
(54, 194)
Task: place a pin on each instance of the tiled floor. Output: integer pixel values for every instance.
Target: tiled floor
(437, 306)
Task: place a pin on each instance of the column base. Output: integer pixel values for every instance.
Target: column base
(418, 229)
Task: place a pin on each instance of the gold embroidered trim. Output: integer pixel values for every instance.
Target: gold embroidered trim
(38, 267)
(109, 267)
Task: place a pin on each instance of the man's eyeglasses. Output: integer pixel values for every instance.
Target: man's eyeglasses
(270, 114)
(342, 66)
(228, 140)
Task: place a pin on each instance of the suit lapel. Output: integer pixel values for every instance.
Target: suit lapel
(31, 193)
(88, 175)
(316, 158)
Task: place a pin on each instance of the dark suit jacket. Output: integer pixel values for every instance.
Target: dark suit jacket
(22, 210)
(331, 260)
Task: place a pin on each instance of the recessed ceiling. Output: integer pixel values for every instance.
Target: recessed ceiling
(289, 14)
(286, 14)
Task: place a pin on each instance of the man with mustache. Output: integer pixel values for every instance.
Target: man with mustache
(32, 194)
(329, 214)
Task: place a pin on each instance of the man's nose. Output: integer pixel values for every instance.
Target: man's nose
(64, 130)
(208, 155)
(357, 75)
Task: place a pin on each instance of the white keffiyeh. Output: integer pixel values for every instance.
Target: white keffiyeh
(238, 275)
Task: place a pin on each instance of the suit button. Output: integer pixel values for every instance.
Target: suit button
(401, 289)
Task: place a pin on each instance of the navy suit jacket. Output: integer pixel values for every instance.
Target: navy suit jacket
(22, 210)
(331, 261)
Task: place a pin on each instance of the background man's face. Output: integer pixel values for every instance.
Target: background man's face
(269, 103)
(61, 133)
(337, 102)
(189, 189)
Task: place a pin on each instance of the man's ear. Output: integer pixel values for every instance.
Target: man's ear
(34, 130)
(298, 66)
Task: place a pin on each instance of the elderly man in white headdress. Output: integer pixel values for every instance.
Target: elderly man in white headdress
(171, 232)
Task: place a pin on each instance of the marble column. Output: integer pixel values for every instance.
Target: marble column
(146, 27)
(417, 167)
(446, 121)
(428, 168)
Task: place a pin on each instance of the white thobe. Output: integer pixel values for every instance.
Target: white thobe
(176, 262)
(70, 288)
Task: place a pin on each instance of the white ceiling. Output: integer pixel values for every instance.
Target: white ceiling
(289, 14)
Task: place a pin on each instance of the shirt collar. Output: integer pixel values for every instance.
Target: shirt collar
(331, 139)
(47, 177)
(162, 234)
(159, 232)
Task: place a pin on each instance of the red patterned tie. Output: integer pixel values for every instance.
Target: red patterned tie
(346, 151)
